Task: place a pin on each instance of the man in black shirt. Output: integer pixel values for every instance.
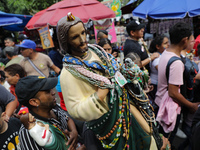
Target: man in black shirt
(135, 31)
(9, 133)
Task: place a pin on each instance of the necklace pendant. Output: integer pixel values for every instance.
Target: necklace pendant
(124, 134)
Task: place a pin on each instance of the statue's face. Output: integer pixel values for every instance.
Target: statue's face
(41, 133)
(77, 39)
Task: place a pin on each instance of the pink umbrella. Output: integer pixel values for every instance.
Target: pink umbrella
(84, 9)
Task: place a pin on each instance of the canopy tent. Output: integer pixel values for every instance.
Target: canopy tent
(13, 22)
(84, 9)
(169, 9)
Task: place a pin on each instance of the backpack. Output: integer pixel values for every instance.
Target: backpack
(191, 69)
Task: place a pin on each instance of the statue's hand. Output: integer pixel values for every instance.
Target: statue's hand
(102, 93)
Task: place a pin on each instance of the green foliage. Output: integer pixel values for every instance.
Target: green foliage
(139, 1)
(124, 2)
(28, 7)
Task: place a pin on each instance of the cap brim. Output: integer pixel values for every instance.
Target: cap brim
(22, 38)
(140, 26)
(50, 84)
(22, 46)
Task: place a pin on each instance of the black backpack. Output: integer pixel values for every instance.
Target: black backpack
(191, 69)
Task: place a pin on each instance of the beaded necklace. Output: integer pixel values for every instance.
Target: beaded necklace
(109, 67)
(123, 121)
(135, 78)
(61, 131)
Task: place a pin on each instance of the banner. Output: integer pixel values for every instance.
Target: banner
(115, 5)
(45, 37)
(109, 27)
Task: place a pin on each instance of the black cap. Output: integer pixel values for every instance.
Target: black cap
(29, 86)
(22, 37)
(134, 25)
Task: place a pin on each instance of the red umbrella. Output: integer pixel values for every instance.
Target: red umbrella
(84, 9)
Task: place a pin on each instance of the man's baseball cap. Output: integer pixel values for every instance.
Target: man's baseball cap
(135, 25)
(29, 86)
(27, 44)
(22, 37)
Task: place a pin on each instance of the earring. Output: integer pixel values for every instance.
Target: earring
(37, 107)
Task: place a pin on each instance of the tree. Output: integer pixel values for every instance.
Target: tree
(28, 7)
(124, 2)
(4, 6)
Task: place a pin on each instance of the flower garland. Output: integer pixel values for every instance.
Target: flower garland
(132, 72)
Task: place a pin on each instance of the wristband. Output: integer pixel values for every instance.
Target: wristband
(150, 59)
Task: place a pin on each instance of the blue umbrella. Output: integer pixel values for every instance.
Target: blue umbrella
(6, 19)
(159, 9)
(19, 27)
(13, 22)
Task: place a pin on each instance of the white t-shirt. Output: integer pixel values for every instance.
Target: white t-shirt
(175, 74)
(6, 85)
(154, 71)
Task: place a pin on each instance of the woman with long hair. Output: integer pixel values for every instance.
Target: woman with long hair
(159, 44)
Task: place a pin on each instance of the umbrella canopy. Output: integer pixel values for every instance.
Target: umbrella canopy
(84, 9)
(6, 19)
(19, 27)
(159, 9)
(13, 22)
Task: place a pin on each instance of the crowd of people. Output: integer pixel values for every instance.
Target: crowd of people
(107, 101)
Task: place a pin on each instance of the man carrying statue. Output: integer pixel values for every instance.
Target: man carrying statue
(94, 91)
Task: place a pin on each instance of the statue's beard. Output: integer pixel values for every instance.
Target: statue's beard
(80, 49)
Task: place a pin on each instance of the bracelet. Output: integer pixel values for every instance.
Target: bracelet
(150, 59)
